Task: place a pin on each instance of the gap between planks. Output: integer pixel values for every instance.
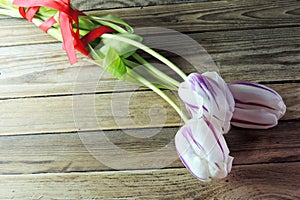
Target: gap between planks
(245, 182)
(105, 112)
(252, 55)
(71, 152)
(213, 16)
(197, 17)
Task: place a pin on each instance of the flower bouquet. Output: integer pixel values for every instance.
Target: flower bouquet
(212, 104)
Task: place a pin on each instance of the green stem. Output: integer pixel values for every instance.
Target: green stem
(10, 12)
(148, 84)
(114, 26)
(148, 50)
(156, 71)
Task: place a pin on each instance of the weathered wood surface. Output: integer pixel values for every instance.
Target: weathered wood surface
(259, 181)
(218, 15)
(62, 153)
(62, 113)
(42, 98)
(107, 4)
(194, 17)
(43, 69)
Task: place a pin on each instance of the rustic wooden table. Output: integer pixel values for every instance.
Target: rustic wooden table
(43, 156)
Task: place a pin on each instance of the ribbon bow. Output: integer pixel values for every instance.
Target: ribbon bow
(67, 15)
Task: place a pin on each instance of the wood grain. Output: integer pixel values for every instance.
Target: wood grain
(64, 153)
(43, 69)
(212, 16)
(261, 181)
(16, 31)
(55, 114)
(203, 16)
(107, 4)
(44, 101)
(112, 111)
(195, 17)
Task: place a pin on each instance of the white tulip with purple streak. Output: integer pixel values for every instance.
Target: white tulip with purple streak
(213, 105)
(207, 95)
(257, 106)
(202, 148)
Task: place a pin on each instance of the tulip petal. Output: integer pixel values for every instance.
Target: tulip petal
(189, 156)
(208, 96)
(224, 87)
(255, 119)
(257, 106)
(229, 106)
(255, 96)
(203, 150)
(229, 163)
(192, 100)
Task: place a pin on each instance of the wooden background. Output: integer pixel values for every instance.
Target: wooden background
(42, 156)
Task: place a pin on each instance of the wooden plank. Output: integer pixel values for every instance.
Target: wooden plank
(254, 52)
(212, 16)
(4, 17)
(271, 181)
(58, 153)
(112, 111)
(106, 4)
(195, 17)
(55, 114)
(254, 55)
(15, 31)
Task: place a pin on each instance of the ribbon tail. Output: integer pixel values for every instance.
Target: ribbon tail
(68, 44)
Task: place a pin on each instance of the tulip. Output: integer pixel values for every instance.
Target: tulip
(203, 150)
(208, 96)
(257, 106)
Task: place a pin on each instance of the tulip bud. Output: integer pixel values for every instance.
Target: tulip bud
(203, 150)
(257, 106)
(208, 96)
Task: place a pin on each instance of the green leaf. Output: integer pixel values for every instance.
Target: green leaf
(113, 64)
(86, 23)
(95, 54)
(123, 49)
(113, 19)
(46, 13)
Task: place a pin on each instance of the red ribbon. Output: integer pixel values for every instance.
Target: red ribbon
(94, 34)
(48, 24)
(67, 15)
